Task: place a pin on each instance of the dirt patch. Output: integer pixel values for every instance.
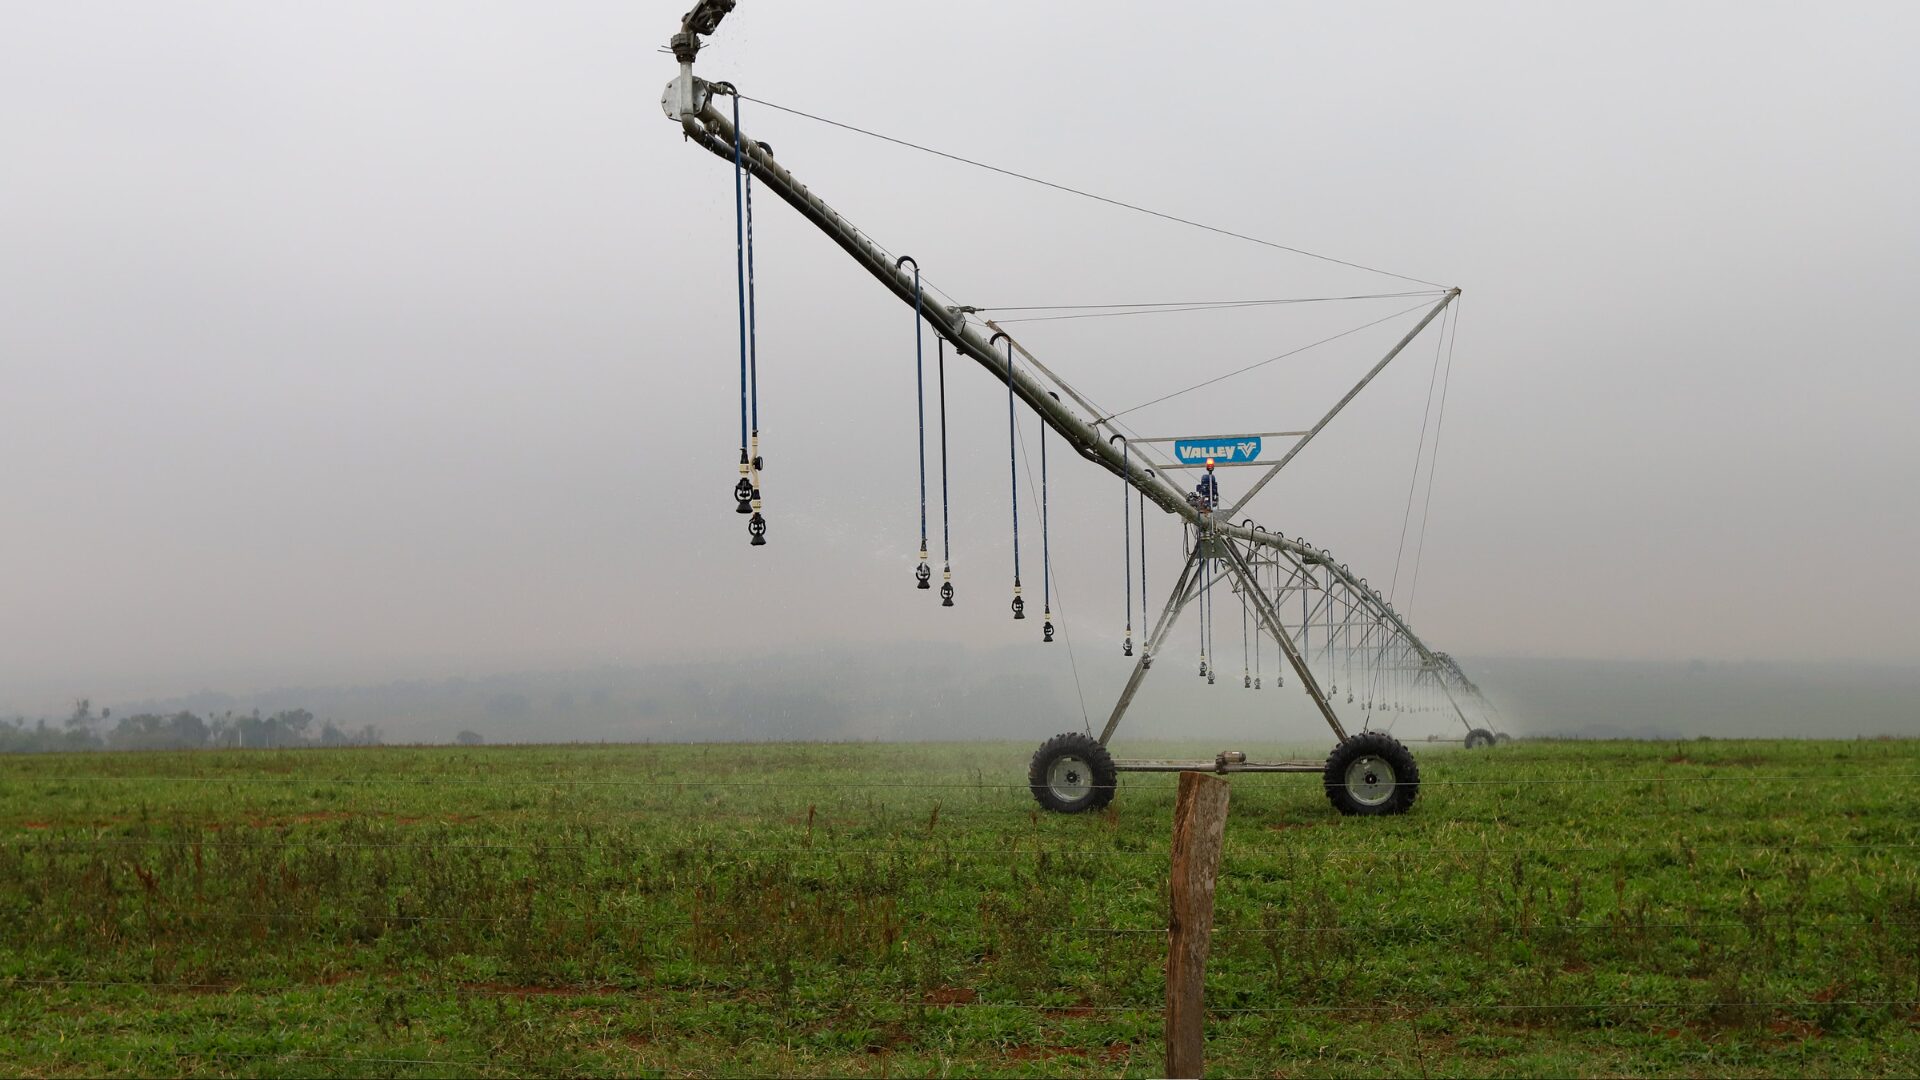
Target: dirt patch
(36, 824)
(511, 990)
(1283, 826)
(1799, 1029)
(952, 995)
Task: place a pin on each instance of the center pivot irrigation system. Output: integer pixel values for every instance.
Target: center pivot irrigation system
(1343, 641)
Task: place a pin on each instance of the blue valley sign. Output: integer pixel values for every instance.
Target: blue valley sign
(1224, 450)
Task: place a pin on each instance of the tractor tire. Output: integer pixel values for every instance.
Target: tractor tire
(1072, 773)
(1371, 774)
(1479, 738)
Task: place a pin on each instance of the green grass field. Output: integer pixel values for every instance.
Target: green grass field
(1693, 909)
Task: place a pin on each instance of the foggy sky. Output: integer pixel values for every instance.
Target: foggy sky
(361, 340)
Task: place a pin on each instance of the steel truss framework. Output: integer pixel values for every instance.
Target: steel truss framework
(1343, 625)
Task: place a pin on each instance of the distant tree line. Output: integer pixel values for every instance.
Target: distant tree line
(86, 730)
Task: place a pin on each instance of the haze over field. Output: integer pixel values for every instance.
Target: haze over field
(946, 693)
(359, 343)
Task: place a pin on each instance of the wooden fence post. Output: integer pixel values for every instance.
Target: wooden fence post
(1199, 826)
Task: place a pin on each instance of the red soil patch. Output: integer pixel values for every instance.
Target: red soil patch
(510, 990)
(952, 995)
(1801, 1029)
(444, 819)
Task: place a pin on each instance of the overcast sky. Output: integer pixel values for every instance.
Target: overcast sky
(359, 340)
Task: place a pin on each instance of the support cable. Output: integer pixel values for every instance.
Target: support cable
(1175, 309)
(1420, 451)
(1200, 304)
(1261, 363)
(1433, 459)
(1096, 198)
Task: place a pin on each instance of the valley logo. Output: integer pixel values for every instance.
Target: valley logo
(1224, 450)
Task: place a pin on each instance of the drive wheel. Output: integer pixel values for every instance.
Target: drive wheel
(1479, 738)
(1502, 739)
(1371, 774)
(1072, 773)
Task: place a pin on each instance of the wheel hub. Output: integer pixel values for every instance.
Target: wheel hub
(1068, 777)
(1370, 781)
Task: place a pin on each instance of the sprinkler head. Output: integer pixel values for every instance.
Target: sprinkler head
(946, 594)
(757, 528)
(743, 496)
(923, 576)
